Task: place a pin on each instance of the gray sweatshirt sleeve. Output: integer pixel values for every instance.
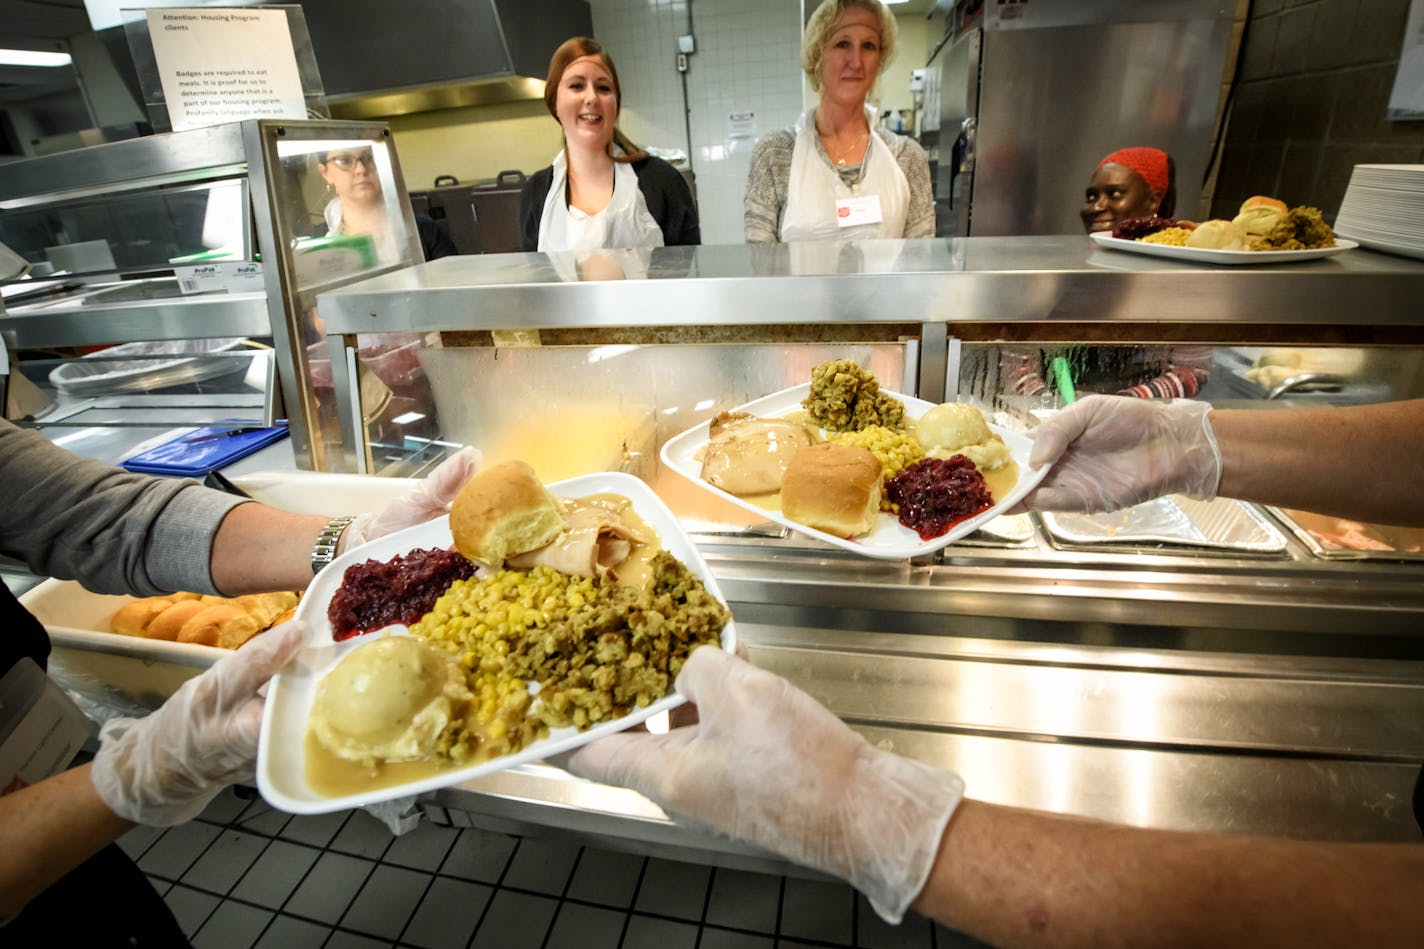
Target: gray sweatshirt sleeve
(766, 186)
(911, 157)
(113, 531)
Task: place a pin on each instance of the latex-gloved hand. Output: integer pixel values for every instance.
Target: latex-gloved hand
(163, 769)
(1111, 452)
(426, 501)
(769, 765)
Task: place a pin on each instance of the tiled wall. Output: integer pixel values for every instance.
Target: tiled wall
(1310, 102)
(747, 60)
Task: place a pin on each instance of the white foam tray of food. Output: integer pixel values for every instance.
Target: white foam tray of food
(889, 539)
(281, 755)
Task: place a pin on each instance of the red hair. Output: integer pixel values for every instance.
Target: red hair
(577, 48)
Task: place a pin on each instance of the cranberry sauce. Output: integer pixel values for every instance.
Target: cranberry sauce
(937, 493)
(374, 595)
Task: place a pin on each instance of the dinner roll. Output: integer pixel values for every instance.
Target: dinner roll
(1262, 201)
(266, 607)
(204, 618)
(503, 511)
(166, 625)
(132, 619)
(832, 487)
(225, 625)
(1218, 235)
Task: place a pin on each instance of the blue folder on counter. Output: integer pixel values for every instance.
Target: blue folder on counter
(202, 450)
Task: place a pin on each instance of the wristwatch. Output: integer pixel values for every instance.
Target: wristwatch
(324, 550)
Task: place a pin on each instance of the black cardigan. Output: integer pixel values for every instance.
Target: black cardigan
(668, 198)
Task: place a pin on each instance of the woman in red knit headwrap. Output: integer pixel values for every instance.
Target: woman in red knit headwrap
(1131, 182)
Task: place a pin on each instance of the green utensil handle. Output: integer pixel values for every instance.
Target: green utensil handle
(1064, 378)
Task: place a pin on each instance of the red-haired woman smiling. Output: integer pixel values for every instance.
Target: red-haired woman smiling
(602, 191)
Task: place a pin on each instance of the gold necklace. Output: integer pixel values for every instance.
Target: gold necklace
(841, 160)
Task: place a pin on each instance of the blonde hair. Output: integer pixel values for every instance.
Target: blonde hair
(823, 22)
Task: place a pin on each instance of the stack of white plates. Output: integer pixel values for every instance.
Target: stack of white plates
(1384, 209)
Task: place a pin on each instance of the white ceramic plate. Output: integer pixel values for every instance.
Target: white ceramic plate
(889, 540)
(281, 759)
(1203, 255)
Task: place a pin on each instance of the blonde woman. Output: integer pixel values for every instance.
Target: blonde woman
(836, 174)
(602, 191)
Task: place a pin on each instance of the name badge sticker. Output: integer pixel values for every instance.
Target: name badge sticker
(853, 212)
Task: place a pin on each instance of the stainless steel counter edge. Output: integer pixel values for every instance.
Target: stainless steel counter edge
(188, 317)
(1184, 741)
(1001, 280)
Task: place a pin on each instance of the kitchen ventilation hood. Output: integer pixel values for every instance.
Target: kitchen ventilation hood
(379, 58)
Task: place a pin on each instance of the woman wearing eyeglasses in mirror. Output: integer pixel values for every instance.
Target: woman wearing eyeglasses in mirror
(358, 205)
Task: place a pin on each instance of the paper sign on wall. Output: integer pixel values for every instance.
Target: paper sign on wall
(222, 65)
(741, 132)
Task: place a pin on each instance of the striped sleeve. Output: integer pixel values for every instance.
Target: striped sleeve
(920, 217)
(766, 186)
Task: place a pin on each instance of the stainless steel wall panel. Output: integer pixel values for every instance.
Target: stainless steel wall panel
(1054, 101)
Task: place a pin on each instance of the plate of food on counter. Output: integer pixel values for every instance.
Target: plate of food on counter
(868, 470)
(531, 620)
(1264, 231)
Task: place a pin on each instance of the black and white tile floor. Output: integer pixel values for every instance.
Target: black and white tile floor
(244, 875)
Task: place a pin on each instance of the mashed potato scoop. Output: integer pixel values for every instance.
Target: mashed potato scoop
(389, 700)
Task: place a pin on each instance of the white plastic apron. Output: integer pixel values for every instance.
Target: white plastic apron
(814, 188)
(383, 240)
(624, 222)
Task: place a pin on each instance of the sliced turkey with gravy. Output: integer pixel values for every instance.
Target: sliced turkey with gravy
(747, 455)
(602, 534)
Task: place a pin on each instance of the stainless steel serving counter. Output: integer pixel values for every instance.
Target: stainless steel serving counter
(1282, 697)
(1160, 688)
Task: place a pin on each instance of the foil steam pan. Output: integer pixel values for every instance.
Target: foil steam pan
(1335, 538)
(1222, 524)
